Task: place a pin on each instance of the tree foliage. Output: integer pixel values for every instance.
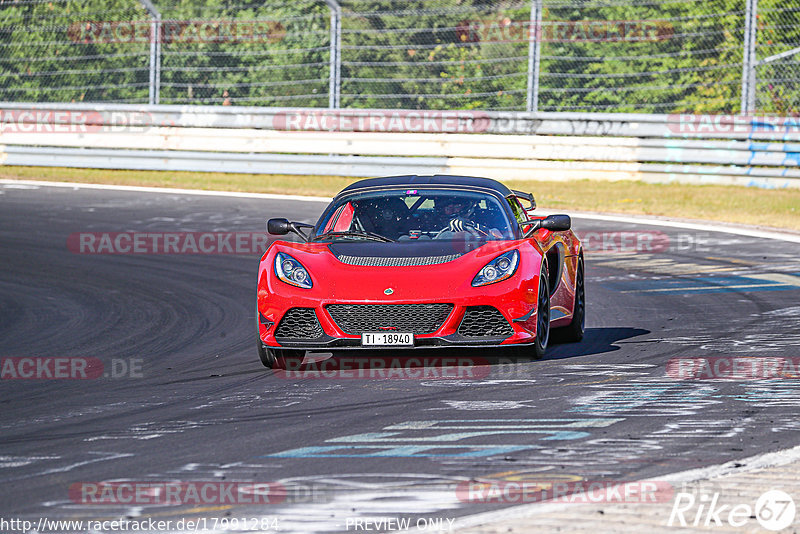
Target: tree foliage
(658, 56)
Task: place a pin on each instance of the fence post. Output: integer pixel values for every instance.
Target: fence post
(155, 51)
(534, 52)
(335, 78)
(749, 58)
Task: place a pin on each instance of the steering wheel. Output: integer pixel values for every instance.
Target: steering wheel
(491, 233)
(467, 227)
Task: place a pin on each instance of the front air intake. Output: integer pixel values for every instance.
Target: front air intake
(299, 323)
(484, 321)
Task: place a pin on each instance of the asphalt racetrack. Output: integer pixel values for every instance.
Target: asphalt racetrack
(183, 397)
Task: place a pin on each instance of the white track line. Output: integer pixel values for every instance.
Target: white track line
(164, 190)
(734, 467)
(777, 234)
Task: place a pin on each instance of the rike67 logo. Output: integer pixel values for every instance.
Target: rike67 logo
(774, 510)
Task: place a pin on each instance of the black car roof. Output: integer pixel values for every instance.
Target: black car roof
(413, 180)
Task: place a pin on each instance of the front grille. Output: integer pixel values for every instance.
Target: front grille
(375, 261)
(484, 321)
(299, 323)
(415, 318)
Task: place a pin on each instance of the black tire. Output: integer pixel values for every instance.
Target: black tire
(277, 358)
(536, 350)
(542, 315)
(573, 332)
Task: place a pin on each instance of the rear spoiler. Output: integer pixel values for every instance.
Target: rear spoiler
(526, 196)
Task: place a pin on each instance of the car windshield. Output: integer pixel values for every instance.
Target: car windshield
(415, 214)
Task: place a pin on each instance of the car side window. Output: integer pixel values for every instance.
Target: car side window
(516, 209)
(519, 213)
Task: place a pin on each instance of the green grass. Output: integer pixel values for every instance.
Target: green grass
(779, 208)
(745, 205)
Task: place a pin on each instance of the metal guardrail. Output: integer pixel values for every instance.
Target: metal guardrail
(179, 160)
(366, 166)
(758, 151)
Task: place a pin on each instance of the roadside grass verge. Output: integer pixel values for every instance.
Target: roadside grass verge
(778, 208)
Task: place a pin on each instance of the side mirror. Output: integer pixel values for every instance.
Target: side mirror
(278, 226)
(557, 223)
(554, 223)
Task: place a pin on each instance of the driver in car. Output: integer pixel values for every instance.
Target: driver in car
(458, 216)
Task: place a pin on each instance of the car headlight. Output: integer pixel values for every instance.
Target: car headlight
(291, 271)
(498, 269)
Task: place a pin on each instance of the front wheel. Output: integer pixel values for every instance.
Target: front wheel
(537, 349)
(276, 358)
(542, 314)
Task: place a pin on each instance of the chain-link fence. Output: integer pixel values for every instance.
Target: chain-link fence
(650, 56)
(41, 61)
(777, 67)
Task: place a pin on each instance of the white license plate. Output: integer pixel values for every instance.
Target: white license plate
(387, 338)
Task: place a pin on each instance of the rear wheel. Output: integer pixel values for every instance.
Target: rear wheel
(573, 332)
(276, 358)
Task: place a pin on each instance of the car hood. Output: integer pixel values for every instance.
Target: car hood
(403, 254)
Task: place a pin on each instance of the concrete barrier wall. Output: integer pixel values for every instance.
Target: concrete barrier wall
(754, 151)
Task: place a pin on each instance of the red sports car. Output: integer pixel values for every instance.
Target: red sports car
(421, 261)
